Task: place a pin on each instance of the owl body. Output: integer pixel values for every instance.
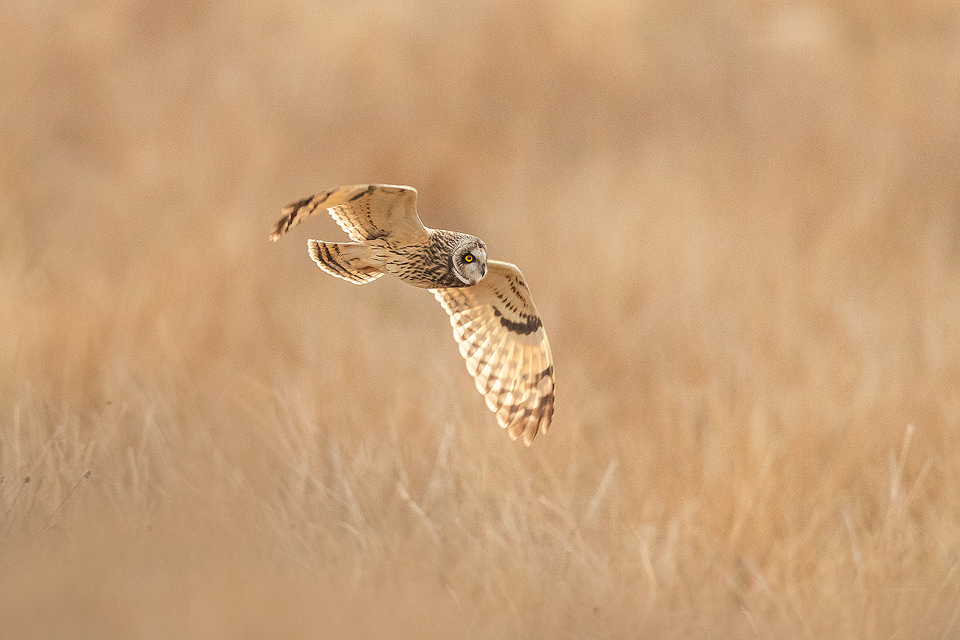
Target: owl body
(495, 322)
(437, 261)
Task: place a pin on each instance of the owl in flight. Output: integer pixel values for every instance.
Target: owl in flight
(493, 316)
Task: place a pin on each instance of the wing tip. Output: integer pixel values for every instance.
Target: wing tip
(280, 227)
(527, 423)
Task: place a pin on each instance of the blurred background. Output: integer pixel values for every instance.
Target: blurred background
(740, 223)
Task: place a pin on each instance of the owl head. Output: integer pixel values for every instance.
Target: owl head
(470, 260)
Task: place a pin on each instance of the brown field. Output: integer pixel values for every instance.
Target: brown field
(741, 224)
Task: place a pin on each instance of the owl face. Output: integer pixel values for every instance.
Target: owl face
(470, 261)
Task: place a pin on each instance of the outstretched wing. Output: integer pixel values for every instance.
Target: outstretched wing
(506, 349)
(365, 211)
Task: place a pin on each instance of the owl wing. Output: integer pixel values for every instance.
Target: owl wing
(365, 211)
(506, 349)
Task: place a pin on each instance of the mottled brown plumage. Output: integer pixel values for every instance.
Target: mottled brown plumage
(494, 319)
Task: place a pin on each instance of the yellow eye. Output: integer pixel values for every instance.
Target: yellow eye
(468, 257)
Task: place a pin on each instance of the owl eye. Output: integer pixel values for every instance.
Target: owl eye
(468, 257)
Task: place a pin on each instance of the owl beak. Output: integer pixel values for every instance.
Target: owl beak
(483, 270)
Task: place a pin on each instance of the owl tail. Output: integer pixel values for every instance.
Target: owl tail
(347, 260)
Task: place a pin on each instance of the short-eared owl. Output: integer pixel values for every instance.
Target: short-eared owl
(491, 310)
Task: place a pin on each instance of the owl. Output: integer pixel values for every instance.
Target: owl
(494, 319)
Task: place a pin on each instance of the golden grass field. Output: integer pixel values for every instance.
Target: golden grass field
(741, 225)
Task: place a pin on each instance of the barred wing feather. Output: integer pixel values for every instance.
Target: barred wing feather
(505, 347)
(364, 211)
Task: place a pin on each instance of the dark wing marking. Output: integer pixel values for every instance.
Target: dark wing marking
(364, 211)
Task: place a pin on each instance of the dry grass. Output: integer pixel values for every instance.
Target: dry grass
(741, 225)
